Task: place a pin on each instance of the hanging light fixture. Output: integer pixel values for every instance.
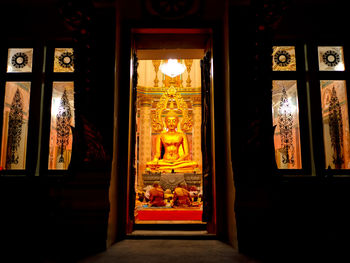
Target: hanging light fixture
(172, 68)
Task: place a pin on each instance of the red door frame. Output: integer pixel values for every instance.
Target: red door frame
(212, 225)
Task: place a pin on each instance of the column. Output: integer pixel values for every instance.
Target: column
(145, 137)
(196, 138)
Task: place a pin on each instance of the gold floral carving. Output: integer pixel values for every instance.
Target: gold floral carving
(171, 95)
(188, 63)
(197, 100)
(156, 64)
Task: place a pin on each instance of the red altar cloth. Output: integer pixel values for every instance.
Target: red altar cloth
(169, 214)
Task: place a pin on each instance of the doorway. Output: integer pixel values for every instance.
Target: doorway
(171, 179)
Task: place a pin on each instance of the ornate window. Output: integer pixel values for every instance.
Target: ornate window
(64, 60)
(286, 121)
(15, 100)
(62, 108)
(286, 85)
(335, 119)
(62, 121)
(15, 125)
(34, 79)
(331, 58)
(310, 109)
(283, 58)
(334, 106)
(20, 60)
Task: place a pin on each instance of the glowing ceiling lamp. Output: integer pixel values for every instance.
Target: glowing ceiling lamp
(172, 68)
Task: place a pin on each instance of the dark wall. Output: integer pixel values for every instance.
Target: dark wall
(29, 21)
(280, 219)
(62, 217)
(318, 20)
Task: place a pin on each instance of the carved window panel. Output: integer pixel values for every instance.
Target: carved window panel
(283, 58)
(15, 125)
(285, 111)
(64, 60)
(62, 119)
(335, 118)
(331, 58)
(19, 60)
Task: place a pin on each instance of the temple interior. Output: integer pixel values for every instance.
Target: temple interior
(247, 142)
(168, 156)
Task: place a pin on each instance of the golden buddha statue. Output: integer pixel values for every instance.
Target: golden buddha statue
(176, 153)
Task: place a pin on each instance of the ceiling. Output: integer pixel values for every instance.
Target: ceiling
(149, 54)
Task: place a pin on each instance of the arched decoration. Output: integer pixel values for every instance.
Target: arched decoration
(172, 9)
(171, 95)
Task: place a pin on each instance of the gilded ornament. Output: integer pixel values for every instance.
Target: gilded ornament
(171, 95)
(188, 64)
(156, 64)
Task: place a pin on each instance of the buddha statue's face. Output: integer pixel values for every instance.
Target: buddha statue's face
(171, 122)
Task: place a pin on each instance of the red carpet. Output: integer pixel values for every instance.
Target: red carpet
(169, 214)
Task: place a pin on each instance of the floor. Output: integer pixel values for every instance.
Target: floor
(203, 234)
(169, 250)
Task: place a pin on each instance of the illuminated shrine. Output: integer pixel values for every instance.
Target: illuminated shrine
(168, 134)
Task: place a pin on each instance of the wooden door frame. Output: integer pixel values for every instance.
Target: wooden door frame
(212, 224)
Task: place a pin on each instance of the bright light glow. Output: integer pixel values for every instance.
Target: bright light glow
(172, 68)
(293, 108)
(55, 105)
(339, 67)
(288, 108)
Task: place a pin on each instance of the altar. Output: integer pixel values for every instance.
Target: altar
(171, 180)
